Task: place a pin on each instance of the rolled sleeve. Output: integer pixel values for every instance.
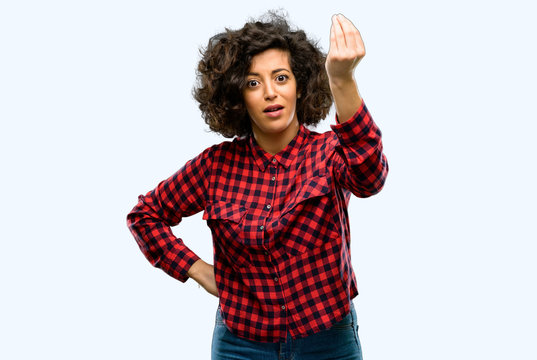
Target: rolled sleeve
(359, 164)
(150, 221)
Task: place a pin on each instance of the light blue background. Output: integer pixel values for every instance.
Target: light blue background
(96, 108)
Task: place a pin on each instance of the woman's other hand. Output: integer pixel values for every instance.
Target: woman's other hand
(203, 274)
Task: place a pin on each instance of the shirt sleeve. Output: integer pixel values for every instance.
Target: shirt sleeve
(150, 221)
(358, 163)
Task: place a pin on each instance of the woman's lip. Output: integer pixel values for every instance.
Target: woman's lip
(271, 107)
(274, 114)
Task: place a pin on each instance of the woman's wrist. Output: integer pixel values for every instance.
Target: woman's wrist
(203, 274)
(196, 269)
(342, 84)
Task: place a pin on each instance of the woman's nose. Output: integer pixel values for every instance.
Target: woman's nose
(270, 92)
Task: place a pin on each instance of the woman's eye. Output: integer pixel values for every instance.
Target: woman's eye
(281, 77)
(252, 83)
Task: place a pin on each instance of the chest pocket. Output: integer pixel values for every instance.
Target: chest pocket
(225, 219)
(221, 210)
(313, 187)
(304, 232)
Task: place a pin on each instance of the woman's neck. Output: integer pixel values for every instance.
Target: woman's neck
(273, 143)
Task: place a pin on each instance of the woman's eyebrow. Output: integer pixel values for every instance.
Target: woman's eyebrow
(273, 72)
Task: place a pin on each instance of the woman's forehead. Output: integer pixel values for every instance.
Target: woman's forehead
(270, 60)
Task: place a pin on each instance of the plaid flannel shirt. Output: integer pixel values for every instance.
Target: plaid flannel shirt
(279, 224)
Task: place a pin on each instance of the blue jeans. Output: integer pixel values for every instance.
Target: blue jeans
(340, 342)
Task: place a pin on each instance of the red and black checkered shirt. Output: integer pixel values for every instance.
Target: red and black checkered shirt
(279, 223)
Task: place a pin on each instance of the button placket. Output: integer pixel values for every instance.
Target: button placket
(270, 194)
(268, 207)
(273, 186)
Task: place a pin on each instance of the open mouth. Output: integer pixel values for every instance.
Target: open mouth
(273, 108)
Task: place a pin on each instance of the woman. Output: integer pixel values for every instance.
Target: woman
(276, 196)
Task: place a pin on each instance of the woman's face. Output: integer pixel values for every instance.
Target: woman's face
(270, 94)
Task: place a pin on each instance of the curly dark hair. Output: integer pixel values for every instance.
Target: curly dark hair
(223, 68)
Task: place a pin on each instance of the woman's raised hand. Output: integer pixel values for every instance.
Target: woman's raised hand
(346, 49)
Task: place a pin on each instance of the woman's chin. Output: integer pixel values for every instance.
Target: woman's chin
(275, 126)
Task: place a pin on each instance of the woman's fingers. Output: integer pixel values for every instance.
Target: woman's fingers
(347, 30)
(333, 45)
(353, 39)
(334, 39)
(346, 48)
(340, 35)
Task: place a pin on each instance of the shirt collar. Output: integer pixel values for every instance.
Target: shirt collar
(284, 157)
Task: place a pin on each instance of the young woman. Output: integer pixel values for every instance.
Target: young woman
(276, 196)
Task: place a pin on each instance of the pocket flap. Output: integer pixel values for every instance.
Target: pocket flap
(316, 186)
(224, 210)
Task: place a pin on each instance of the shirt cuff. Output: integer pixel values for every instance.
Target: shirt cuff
(352, 130)
(178, 261)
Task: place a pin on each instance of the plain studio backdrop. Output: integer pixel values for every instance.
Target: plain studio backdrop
(96, 109)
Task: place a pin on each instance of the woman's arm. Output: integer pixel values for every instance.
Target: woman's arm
(203, 274)
(150, 221)
(346, 51)
(359, 164)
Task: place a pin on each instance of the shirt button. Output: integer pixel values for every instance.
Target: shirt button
(273, 178)
(274, 160)
(266, 252)
(283, 307)
(261, 227)
(268, 206)
(276, 279)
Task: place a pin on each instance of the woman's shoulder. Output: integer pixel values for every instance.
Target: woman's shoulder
(322, 140)
(216, 150)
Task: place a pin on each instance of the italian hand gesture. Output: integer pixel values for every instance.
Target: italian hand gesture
(346, 49)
